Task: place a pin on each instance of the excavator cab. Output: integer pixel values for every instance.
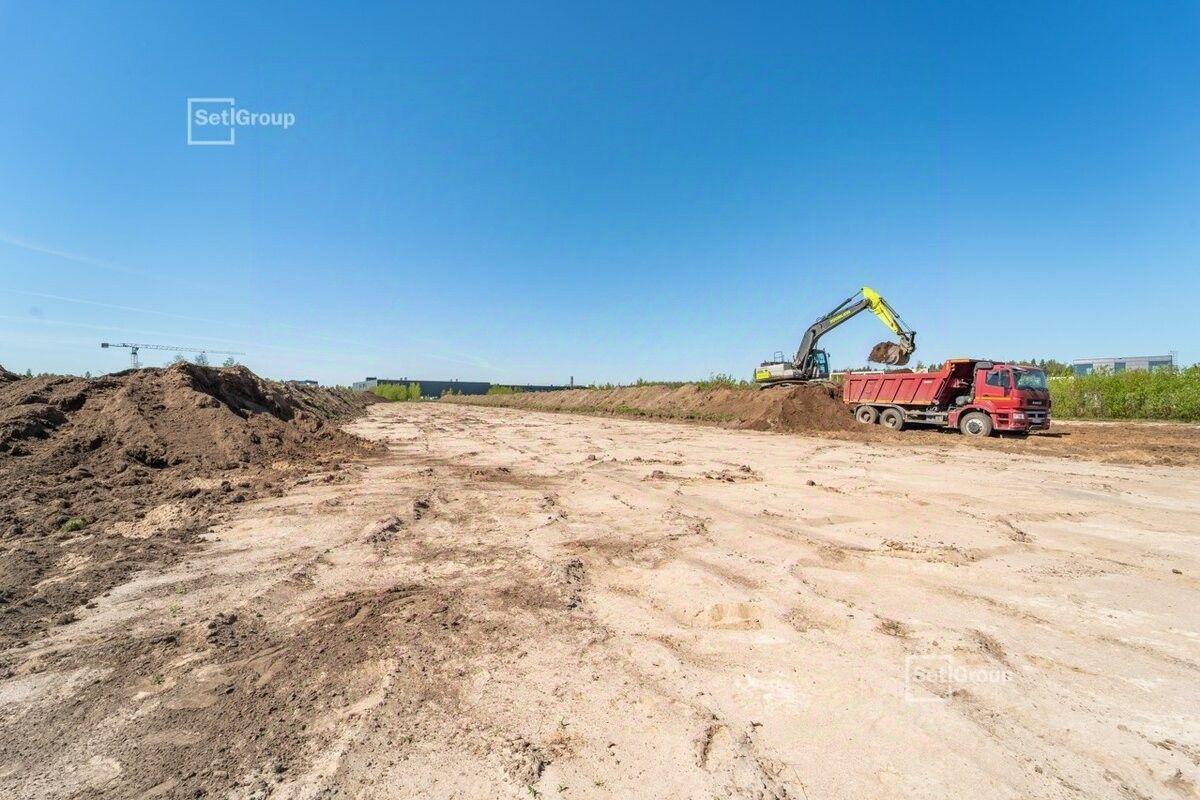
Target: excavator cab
(781, 372)
(820, 362)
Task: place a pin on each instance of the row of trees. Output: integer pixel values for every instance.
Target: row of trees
(1052, 367)
(1162, 394)
(202, 360)
(398, 392)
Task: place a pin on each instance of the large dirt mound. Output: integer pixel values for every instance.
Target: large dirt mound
(816, 407)
(105, 476)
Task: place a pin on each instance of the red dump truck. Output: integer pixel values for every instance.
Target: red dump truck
(975, 397)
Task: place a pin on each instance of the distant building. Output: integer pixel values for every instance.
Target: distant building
(438, 388)
(1086, 366)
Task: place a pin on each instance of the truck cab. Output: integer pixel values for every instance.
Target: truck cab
(1015, 397)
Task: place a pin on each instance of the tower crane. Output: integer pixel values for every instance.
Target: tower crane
(134, 348)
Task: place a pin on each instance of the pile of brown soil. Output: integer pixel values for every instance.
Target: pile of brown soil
(815, 407)
(104, 477)
(887, 353)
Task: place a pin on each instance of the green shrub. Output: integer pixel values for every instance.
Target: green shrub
(718, 380)
(74, 524)
(398, 392)
(504, 390)
(388, 392)
(1168, 394)
(722, 381)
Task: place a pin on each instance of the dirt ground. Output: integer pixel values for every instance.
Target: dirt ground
(520, 604)
(819, 408)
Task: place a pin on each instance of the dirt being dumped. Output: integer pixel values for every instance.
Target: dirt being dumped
(888, 353)
(102, 477)
(815, 407)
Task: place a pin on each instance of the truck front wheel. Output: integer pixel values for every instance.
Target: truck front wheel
(976, 424)
(892, 418)
(867, 415)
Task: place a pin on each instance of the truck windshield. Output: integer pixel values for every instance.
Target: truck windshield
(1030, 378)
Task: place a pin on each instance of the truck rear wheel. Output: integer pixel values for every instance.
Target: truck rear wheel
(892, 418)
(976, 424)
(867, 415)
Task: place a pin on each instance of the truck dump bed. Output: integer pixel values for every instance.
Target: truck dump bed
(903, 388)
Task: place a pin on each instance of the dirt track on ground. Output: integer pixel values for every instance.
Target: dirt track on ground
(515, 604)
(819, 409)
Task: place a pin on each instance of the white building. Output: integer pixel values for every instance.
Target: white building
(1086, 366)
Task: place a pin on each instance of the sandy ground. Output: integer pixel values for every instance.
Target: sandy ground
(519, 604)
(818, 409)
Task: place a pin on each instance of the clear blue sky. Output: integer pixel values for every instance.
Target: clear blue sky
(524, 192)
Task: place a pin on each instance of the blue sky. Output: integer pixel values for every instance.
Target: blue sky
(526, 192)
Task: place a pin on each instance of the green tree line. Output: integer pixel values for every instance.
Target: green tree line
(399, 392)
(1165, 394)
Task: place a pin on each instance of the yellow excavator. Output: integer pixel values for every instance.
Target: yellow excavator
(812, 364)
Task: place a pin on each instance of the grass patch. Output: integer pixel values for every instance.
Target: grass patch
(73, 524)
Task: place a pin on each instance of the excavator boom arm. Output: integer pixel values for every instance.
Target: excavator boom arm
(849, 308)
(887, 315)
(864, 299)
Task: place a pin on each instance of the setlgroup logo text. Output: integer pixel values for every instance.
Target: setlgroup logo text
(216, 120)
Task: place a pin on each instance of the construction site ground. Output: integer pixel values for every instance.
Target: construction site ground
(508, 603)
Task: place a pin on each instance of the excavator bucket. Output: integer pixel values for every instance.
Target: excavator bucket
(891, 353)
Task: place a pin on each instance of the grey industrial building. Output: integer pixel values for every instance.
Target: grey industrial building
(1086, 366)
(438, 388)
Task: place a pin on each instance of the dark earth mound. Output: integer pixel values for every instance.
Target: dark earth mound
(103, 477)
(814, 407)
